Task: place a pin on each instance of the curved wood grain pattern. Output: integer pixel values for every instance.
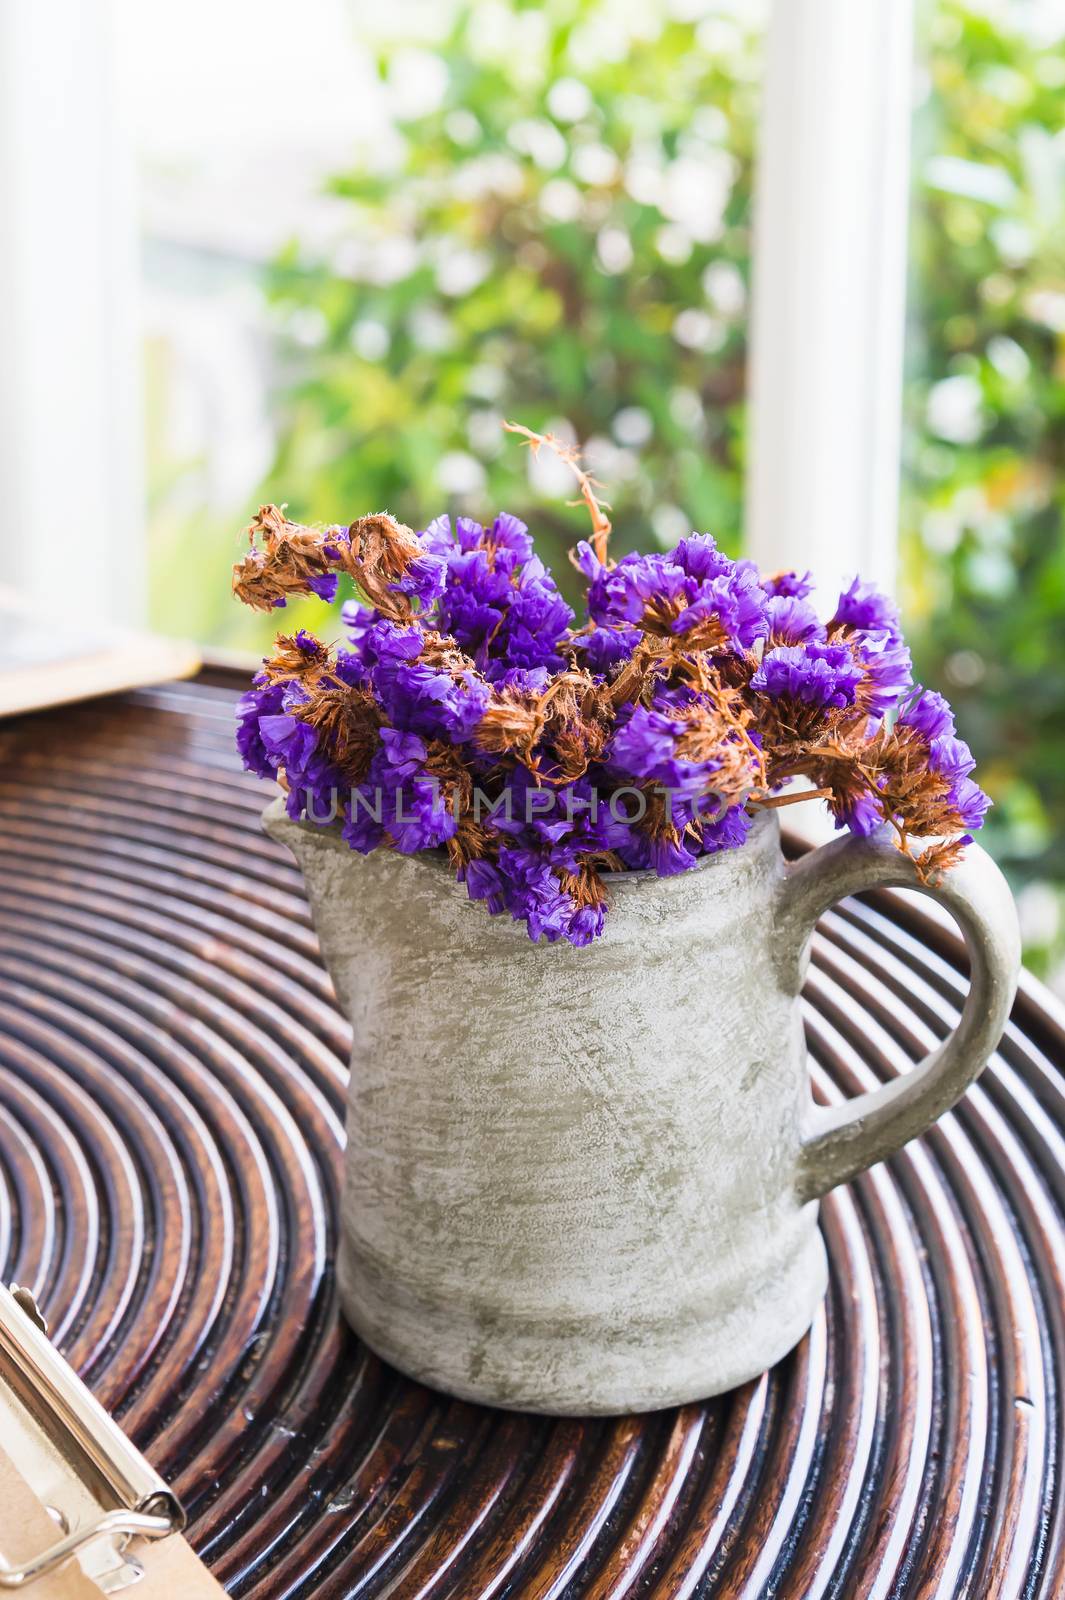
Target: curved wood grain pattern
(171, 1102)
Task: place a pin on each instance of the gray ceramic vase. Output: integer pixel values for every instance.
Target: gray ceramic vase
(586, 1181)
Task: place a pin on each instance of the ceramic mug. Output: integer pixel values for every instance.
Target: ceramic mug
(587, 1181)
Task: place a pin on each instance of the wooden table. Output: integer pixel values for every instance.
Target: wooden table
(171, 1089)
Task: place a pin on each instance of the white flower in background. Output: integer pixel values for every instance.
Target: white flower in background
(609, 464)
(991, 573)
(485, 433)
(430, 329)
(1048, 307)
(673, 243)
(614, 250)
(1008, 359)
(710, 124)
(644, 174)
(697, 188)
(308, 326)
(941, 531)
(462, 126)
(457, 472)
(632, 426)
(595, 164)
(560, 200)
(608, 32)
(1039, 907)
(724, 287)
(462, 270)
(540, 140)
(569, 100)
(698, 330)
(965, 669)
(390, 260)
(370, 339)
(718, 37)
(485, 381)
(417, 82)
(516, 39)
(1013, 240)
(670, 525)
(686, 409)
(955, 409)
(487, 175)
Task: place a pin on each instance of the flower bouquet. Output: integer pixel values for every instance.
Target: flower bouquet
(470, 712)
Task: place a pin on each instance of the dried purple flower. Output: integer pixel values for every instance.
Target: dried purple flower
(640, 741)
(815, 674)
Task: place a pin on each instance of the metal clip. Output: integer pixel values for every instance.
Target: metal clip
(133, 1499)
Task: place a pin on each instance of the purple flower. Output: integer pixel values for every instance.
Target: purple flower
(928, 712)
(362, 829)
(695, 581)
(511, 534)
(700, 558)
(417, 818)
(534, 895)
(952, 759)
(485, 882)
(420, 699)
(645, 749)
(313, 781)
(399, 800)
(865, 607)
(948, 756)
(970, 802)
(860, 812)
(289, 741)
(621, 594)
(524, 680)
(727, 832)
(376, 639)
(324, 586)
(603, 649)
(888, 670)
(735, 601)
(423, 580)
(702, 615)
(812, 674)
(499, 602)
(789, 584)
(791, 621)
(585, 924)
(264, 699)
(670, 856)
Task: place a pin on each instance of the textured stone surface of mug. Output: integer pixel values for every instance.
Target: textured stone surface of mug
(585, 1181)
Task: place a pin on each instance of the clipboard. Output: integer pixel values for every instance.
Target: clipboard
(82, 1513)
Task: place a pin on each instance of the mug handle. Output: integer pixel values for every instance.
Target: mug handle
(842, 1140)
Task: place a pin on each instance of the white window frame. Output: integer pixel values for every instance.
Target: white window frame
(829, 289)
(71, 452)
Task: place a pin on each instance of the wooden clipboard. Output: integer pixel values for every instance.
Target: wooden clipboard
(82, 1513)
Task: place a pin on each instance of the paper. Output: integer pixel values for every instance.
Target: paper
(26, 1529)
(172, 1569)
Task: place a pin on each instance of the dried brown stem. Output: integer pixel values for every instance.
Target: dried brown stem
(773, 802)
(570, 454)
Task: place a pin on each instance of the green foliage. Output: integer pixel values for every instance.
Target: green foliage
(563, 238)
(984, 553)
